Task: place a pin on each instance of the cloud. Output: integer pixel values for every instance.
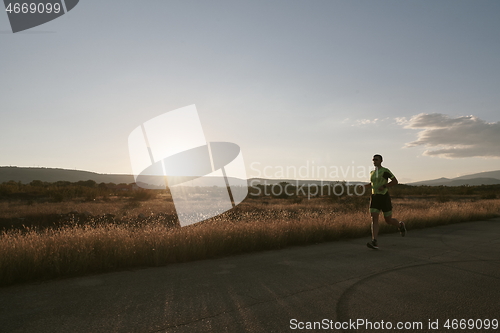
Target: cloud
(367, 121)
(466, 136)
(361, 122)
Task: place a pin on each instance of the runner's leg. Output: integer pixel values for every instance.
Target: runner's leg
(390, 220)
(374, 225)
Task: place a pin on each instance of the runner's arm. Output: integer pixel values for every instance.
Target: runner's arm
(393, 182)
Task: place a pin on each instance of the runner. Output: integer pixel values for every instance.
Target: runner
(380, 199)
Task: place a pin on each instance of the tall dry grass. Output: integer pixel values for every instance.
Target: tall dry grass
(27, 255)
(116, 206)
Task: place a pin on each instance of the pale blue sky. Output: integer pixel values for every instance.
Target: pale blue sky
(294, 83)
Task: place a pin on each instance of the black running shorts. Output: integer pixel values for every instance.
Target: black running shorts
(381, 202)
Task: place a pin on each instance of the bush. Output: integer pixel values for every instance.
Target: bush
(143, 195)
(57, 197)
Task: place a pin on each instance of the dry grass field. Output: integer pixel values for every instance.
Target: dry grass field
(71, 238)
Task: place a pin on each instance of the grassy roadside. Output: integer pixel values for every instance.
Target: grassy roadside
(78, 249)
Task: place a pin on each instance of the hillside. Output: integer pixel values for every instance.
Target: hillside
(27, 175)
(487, 174)
(482, 178)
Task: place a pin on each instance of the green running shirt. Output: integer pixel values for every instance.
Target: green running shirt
(380, 177)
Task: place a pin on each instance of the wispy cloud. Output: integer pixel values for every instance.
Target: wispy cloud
(361, 122)
(366, 121)
(466, 136)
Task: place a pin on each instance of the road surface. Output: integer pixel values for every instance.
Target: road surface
(428, 277)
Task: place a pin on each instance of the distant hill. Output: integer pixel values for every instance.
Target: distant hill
(482, 178)
(27, 175)
(475, 181)
(51, 175)
(433, 182)
(487, 174)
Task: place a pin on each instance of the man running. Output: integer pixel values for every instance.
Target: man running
(380, 199)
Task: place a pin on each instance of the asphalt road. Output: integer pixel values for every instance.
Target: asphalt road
(435, 274)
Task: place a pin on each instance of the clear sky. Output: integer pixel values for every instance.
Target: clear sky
(294, 83)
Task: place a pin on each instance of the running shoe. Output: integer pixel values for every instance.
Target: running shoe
(402, 228)
(373, 244)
